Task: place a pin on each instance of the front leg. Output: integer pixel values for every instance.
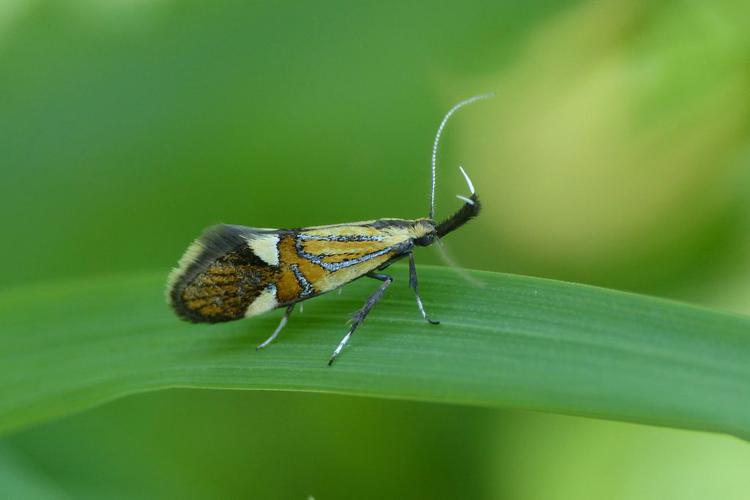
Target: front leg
(415, 286)
(359, 317)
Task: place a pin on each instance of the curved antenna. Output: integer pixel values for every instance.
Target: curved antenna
(437, 140)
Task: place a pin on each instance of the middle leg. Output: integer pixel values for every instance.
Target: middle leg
(359, 317)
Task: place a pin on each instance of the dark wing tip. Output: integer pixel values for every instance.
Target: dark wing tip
(215, 242)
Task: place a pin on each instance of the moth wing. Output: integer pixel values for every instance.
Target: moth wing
(336, 255)
(228, 273)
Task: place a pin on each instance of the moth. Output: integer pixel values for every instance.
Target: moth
(232, 272)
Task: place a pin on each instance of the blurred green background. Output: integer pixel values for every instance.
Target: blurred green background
(616, 154)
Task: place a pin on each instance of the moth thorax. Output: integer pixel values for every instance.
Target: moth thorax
(423, 232)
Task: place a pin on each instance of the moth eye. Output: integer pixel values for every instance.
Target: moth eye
(425, 240)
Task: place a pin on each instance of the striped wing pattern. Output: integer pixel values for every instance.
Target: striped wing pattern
(232, 272)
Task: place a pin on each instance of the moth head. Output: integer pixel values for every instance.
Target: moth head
(424, 232)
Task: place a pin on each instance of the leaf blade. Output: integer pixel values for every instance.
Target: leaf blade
(519, 342)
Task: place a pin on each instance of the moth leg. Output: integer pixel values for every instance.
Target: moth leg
(275, 333)
(415, 286)
(359, 317)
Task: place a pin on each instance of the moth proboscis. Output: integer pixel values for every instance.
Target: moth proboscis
(232, 272)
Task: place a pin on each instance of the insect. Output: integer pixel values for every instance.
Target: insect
(232, 272)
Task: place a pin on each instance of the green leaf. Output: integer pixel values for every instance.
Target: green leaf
(517, 342)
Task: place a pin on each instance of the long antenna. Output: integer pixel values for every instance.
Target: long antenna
(437, 140)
